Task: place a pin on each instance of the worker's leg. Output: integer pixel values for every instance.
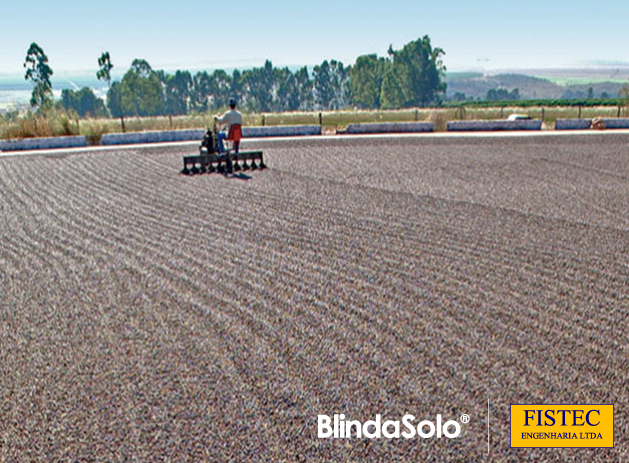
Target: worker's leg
(221, 146)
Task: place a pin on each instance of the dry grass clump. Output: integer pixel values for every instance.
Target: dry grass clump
(333, 120)
(94, 129)
(440, 118)
(32, 125)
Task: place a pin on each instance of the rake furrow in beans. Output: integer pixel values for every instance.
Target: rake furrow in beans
(151, 316)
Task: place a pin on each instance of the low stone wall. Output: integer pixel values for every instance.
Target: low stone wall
(616, 123)
(471, 126)
(304, 130)
(197, 134)
(584, 124)
(281, 131)
(390, 127)
(573, 124)
(42, 143)
(151, 137)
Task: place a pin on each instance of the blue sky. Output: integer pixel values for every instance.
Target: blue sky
(195, 34)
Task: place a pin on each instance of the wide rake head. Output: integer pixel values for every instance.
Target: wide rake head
(225, 163)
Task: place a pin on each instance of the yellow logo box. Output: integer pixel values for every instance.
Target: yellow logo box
(562, 425)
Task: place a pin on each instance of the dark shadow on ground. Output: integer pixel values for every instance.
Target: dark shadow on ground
(240, 176)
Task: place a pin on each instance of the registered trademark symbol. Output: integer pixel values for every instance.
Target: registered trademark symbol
(465, 419)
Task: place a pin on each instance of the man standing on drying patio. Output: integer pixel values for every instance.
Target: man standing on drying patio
(232, 120)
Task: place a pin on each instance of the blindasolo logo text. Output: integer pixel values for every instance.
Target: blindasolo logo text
(338, 427)
(562, 425)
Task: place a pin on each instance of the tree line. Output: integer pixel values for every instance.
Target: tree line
(409, 77)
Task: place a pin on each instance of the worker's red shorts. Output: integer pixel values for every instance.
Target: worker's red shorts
(235, 132)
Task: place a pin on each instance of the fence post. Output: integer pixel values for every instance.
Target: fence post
(618, 111)
(543, 114)
(579, 111)
(122, 123)
(263, 121)
(320, 118)
(502, 111)
(416, 114)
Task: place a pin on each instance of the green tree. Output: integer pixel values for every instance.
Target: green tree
(141, 68)
(178, 92)
(416, 72)
(141, 91)
(287, 94)
(502, 94)
(393, 91)
(322, 84)
(366, 77)
(341, 89)
(258, 86)
(331, 82)
(84, 102)
(220, 88)
(304, 87)
(201, 91)
(114, 100)
(213, 91)
(39, 72)
(236, 86)
(105, 66)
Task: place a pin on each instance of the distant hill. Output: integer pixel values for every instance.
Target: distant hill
(530, 87)
(611, 89)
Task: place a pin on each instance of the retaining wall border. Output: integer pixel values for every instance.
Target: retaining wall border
(616, 123)
(153, 137)
(43, 143)
(471, 126)
(389, 127)
(573, 124)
